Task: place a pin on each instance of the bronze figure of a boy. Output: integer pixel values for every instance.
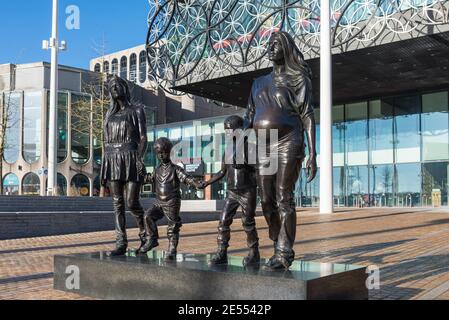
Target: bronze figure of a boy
(166, 180)
(242, 192)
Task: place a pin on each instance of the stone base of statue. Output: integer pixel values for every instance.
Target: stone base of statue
(149, 277)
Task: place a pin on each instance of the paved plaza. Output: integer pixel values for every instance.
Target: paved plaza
(411, 247)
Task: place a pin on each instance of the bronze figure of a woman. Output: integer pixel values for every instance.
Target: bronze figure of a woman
(125, 145)
(282, 101)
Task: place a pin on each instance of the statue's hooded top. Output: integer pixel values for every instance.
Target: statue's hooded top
(123, 143)
(282, 101)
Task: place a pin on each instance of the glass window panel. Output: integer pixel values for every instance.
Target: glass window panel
(408, 185)
(31, 185)
(219, 128)
(356, 115)
(435, 126)
(80, 186)
(81, 109)
(150, 135)
(381, 185)
(133, 67)
(206, 129)
(12, 135)
(338, 135)
(96, 187)
(219, 190)
(188, 131)
(339, 186)
(308, 194)
(150, 116)
(11, 185)
(407, 138)
(357, 186)
(435, 181)
(124, 68)
(175, 133)
(380, 132)
(150, 156)
(142, 67)
(62, 134)
(62, 185)
(162, 133)
(32, 126)
(106, 67)
(115, 67)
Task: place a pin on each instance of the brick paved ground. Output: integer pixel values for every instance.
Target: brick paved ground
(410, 245)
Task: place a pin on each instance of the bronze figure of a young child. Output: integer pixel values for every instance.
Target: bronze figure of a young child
(166, 180)
(242, 192)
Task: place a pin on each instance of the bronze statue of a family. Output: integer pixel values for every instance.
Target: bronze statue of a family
(281, 101)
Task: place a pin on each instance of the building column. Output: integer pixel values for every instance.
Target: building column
(188, 103)
(326, 162)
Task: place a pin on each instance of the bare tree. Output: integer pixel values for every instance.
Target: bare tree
(88, 114)
(8, 119)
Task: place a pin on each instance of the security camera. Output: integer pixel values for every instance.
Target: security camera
(63, 46)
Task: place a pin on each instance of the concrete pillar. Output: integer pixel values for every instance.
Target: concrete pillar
(326, 162)
(188, 103)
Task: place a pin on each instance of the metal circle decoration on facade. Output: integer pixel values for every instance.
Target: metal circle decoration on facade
(196, 40)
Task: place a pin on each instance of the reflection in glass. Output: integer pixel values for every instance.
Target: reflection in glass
(380, 132)
(115, 67)
(357, 186)
(309, 192)
(80, 186)
(408, 185)
(81, 109)
(338, 135)
(435, 126)
(406, 129)
(12, 135)
(133, 67)
(124, 68)
(11, 185)
(357, 133)
(63, 101)
(434, 180)
(106, 67)
(31, 185)
(32, 126)
(339, 186)
(381, 185)
(62, 185)
(142, 67)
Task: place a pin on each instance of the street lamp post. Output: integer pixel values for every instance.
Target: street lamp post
(326, 162)
(53, 44)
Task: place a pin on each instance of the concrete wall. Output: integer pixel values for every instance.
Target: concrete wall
(22, 217)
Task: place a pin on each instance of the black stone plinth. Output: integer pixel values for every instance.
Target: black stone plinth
(190, 278)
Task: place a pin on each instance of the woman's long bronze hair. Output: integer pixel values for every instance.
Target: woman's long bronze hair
(297, 71)
(114, 108)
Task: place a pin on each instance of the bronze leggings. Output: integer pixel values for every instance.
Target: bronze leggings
(278, 205)
(129, 191)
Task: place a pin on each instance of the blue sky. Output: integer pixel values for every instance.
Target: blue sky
(25, 23)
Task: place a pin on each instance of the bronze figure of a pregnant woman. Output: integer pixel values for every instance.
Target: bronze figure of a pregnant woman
(282, 101)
